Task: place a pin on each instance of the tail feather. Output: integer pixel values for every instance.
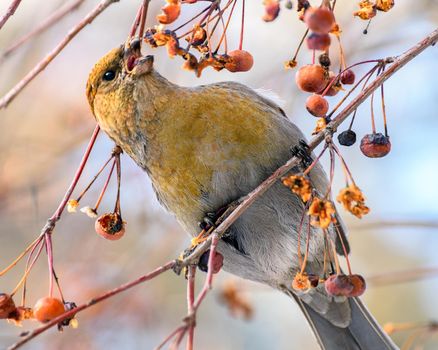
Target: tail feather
(363, 332)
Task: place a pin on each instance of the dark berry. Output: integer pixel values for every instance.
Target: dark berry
(347, 138)
(324, 60)
(375, 145)
(338, 285)
(217, 262)
(348, 77)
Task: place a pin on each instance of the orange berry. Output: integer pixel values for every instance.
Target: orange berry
(318, 41)
(110, 226)
(47, 309)
(319, 20)
(7, 305)
(375, 145)
(169, 14)
(359, 285)
(311, 78)
(272, 9)
(241, 61)
(317, 105)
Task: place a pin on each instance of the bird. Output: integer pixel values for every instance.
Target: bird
(204, 147)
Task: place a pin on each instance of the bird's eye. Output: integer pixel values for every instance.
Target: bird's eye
(109, 75)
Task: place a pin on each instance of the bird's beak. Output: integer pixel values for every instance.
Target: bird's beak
(135, 63)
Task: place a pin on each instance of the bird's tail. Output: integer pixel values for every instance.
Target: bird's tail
(363, 333)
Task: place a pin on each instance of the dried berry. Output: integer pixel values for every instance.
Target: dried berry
(334, 87)
(272, 9)
(241, 61)
(359, 285)
(375, 145)
(218, 261)
(384, 5)
(7, 305)
(367, 10)
(317, 105)
(110, 226)
(170, 13)
(338, 285)
(324, 60)
(347, 138)
(348, 77)
(47, 309)
(311, 78)
(319, 19)
(318, 41)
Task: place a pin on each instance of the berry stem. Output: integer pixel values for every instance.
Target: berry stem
(242, 25)
(344, 249)
(144, 13)
(224, 33)
(384, 110)
(18, 258)
(306, 255)
(310, 167)
(190, 304)
(373, 122)
(294, 58)
(99, 199)
(49, 250)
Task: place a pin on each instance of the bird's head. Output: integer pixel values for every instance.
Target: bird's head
(115, 74)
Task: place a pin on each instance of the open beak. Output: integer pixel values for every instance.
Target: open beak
(135, 63)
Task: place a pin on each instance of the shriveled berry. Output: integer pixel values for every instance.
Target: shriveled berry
(241, 61)
(170, 13)
(272, 9)
(218, 262)
(47, 309)
(359, 285)
(334, 88)
(348, 77)
(311, 78)
(7, 305)
(317, 105)
(319, 19)
(338, 285)
(375, 145)
(347, 138)
(324, 60)
(110, 226)
(317, 41)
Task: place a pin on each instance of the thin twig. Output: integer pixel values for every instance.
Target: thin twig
(106, 295)
(54, 18)
(10, 12)
(6, 99)
(404, 276)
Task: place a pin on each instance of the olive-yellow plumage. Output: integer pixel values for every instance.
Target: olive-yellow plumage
(206, 146)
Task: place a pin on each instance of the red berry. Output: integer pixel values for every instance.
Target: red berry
(375, 145)
(110, 226)
(338, 285)
(319, 19)
(317, 105)
(311, 78)
(169, 14)
(348, 77)
(318, 41)
(272, 9)
(7, 305)
(359, 285)
(241, 61)
(47, 309)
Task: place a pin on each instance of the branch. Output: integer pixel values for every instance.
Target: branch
(6, 99)
(9, 12)
(248, 200)
(47, 23)
(402, 276)
(71, 313)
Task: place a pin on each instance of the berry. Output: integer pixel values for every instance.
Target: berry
(359, 285)
(319, 20)
(324, 60)
(347, 138)
(338, 285)
(7, 305)
(217, 262)
(47, 309)
(318, 41)
(334, 88)
(311, 78)
(241, 61)
(169, 14)
(348, 77)
(375, 145)
(110, 226)
(317, 105)
(272, 9)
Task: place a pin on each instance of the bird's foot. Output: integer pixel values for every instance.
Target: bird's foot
(302, 151)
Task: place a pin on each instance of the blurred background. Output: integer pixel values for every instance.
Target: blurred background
(44, 131)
